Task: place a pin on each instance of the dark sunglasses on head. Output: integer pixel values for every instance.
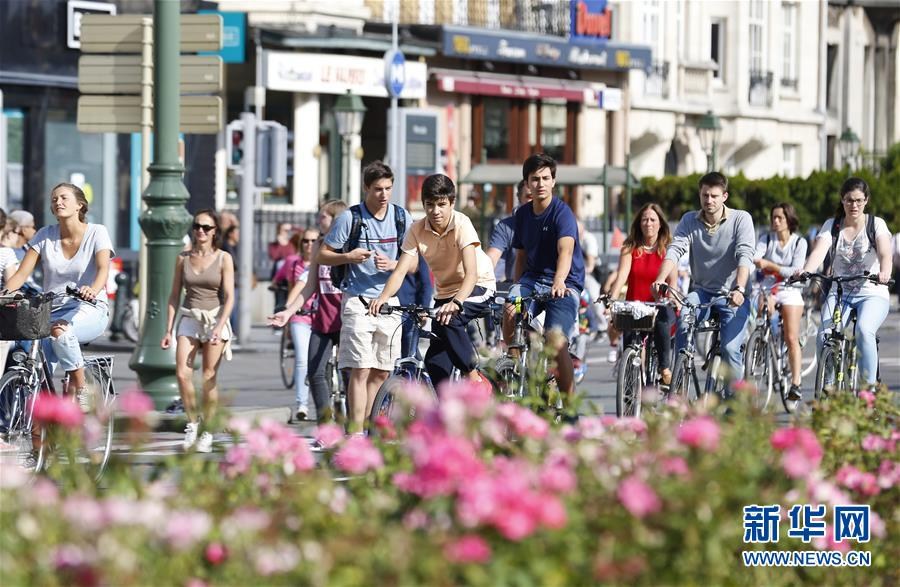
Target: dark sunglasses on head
(203, 227)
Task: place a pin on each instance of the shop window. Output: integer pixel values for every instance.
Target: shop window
(496, 128)
(553, 130)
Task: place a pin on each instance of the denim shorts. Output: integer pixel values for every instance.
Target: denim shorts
(560, 313)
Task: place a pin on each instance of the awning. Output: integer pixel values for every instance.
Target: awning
(508, 174)
(516, 86)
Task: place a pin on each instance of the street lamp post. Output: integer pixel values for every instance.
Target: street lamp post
(349, 111)
(709, 128)
(849, 145)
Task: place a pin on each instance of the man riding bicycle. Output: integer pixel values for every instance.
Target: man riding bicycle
(722, 244)
(463, 278)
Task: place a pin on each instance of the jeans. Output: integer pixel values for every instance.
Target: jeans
(300, 332)
(560, 313)
(871, 312)
(452, 346)
(320, 345)
(86, 322)
(732, 330)
(409, 342)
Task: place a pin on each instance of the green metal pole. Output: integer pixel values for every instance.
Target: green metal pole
(712, 160)
(606, 205)
(627, 191)
(165, 221)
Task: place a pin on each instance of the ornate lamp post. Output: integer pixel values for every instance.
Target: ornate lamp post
(849, 145)
(349, 111)
(709, 129)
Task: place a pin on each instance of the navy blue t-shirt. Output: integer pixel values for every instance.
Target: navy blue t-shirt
(538, 236)
(501, 239)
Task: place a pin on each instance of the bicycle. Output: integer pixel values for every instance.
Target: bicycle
(336, 380)
(638, 366)
(838, 370)
(288, 356)
(765, 357)
(684, 372)
(30, 374)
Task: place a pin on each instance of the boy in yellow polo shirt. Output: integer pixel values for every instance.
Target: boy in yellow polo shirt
(463, 278)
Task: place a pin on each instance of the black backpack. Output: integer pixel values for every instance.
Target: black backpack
(835, 231)
(339, 272)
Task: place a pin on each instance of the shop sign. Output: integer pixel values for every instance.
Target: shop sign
(336, 74)
(542, 50)
(75, 9)
(591, 20)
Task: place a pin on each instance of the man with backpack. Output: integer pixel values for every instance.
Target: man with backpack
(362, 247)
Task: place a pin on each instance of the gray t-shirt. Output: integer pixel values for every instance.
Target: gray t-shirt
(790, 257)
(81, 269)
(715, 254)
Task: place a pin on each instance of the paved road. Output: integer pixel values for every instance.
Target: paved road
(251, 383)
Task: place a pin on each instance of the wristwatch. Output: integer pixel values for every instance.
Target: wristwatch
(457, 302)
(741, 290)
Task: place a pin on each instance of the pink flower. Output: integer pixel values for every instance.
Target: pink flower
(468, 549)
(827, 542)
(635, 425)
(860, 481)
(802, 451)
(591, 427)
(358, 455)
(702, 433)
(135, 404)
(476, 396)
(53, 409)
(869, 398)
(523, 421)
(553, 512)
(185, 528)
(557, 477)
(874, 443)
(441, 462)
(638, 497)
(216, 553)
(329, 435)
(674, 466)
(888, 474)
(237, 461)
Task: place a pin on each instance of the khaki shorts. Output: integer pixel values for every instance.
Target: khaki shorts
(368, 342)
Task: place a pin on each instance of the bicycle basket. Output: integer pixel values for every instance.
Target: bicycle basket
(624, 317)
(25, 319)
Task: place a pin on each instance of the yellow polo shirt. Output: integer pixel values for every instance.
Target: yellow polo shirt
(443, 253)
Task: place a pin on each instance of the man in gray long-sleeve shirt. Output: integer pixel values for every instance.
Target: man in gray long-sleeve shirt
(722, 244)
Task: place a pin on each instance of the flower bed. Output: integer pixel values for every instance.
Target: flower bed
(471, 492)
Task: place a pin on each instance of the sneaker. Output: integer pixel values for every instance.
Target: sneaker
(794, 393)
(205, 442)
(85, 399)
(190, 435)
(613, 356)
(176, 407)
(302, 412)
(28, 462)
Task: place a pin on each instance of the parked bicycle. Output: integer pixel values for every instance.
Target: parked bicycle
(30, 374)
(838, 365)
(684, 374)
(638, 365)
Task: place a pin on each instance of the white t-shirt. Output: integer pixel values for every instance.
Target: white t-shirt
(7, 258)
(81, 269)
(857, 256)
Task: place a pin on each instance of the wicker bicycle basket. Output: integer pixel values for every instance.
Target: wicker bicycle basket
(623, 318)
(25, 319)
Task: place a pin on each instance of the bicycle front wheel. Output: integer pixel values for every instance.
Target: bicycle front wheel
(387, 406)
(759, 368)
(287, 354)
(684, 380)
(99, 418)
(828, 375)
(21, 444)
(628, 385)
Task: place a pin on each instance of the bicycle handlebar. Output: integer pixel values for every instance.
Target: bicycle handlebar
(807, 275)
(413, 309)
(682, 299)
(71, 292)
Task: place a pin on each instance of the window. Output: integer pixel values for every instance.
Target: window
(789, 46)
(831, 94)
(496, 129)
(651, 30)
(757, 35)
(717, 47)
(553, 129)
(790, 165)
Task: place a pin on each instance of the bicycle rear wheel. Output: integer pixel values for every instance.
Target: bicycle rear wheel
(287, 354)
(828, 378)
(19, 443)
(337, 390)
(97, 432)
(628, 384)
(759, 368)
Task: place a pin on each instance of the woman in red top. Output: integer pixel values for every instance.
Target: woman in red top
(642, 255)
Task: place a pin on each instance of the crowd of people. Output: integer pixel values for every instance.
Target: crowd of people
(337, 276)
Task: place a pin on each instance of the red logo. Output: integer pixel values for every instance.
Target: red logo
(592, 24)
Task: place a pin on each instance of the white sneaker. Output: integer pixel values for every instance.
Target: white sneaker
(302, 412)
(190, 435)
(613, 356)
(205, 442)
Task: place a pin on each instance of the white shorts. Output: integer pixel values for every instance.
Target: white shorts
(789, 296)
(368, 342)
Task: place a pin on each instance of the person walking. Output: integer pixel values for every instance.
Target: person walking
(279, 250)
(72, 253)
(206, 274)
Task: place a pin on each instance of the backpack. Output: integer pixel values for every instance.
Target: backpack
(835, 231)
(339, 272)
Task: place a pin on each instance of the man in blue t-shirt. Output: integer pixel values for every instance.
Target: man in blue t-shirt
(369, 344)
(548, 260)
(500, 249)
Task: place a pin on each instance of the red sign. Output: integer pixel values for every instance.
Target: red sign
(592, 23)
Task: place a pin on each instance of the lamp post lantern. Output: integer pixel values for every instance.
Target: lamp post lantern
(849, 145)
(349, 111)
(709, 128)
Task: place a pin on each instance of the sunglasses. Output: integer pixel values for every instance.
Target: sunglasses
(308, 241)
(203, 227)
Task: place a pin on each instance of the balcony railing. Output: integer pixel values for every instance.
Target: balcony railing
(546, 17)
(760, 88)
(696, 80)
(656, 82)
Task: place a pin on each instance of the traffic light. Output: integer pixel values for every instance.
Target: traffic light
(271, 154)
(234, 145)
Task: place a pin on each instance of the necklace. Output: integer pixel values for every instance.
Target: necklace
(649, 247)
